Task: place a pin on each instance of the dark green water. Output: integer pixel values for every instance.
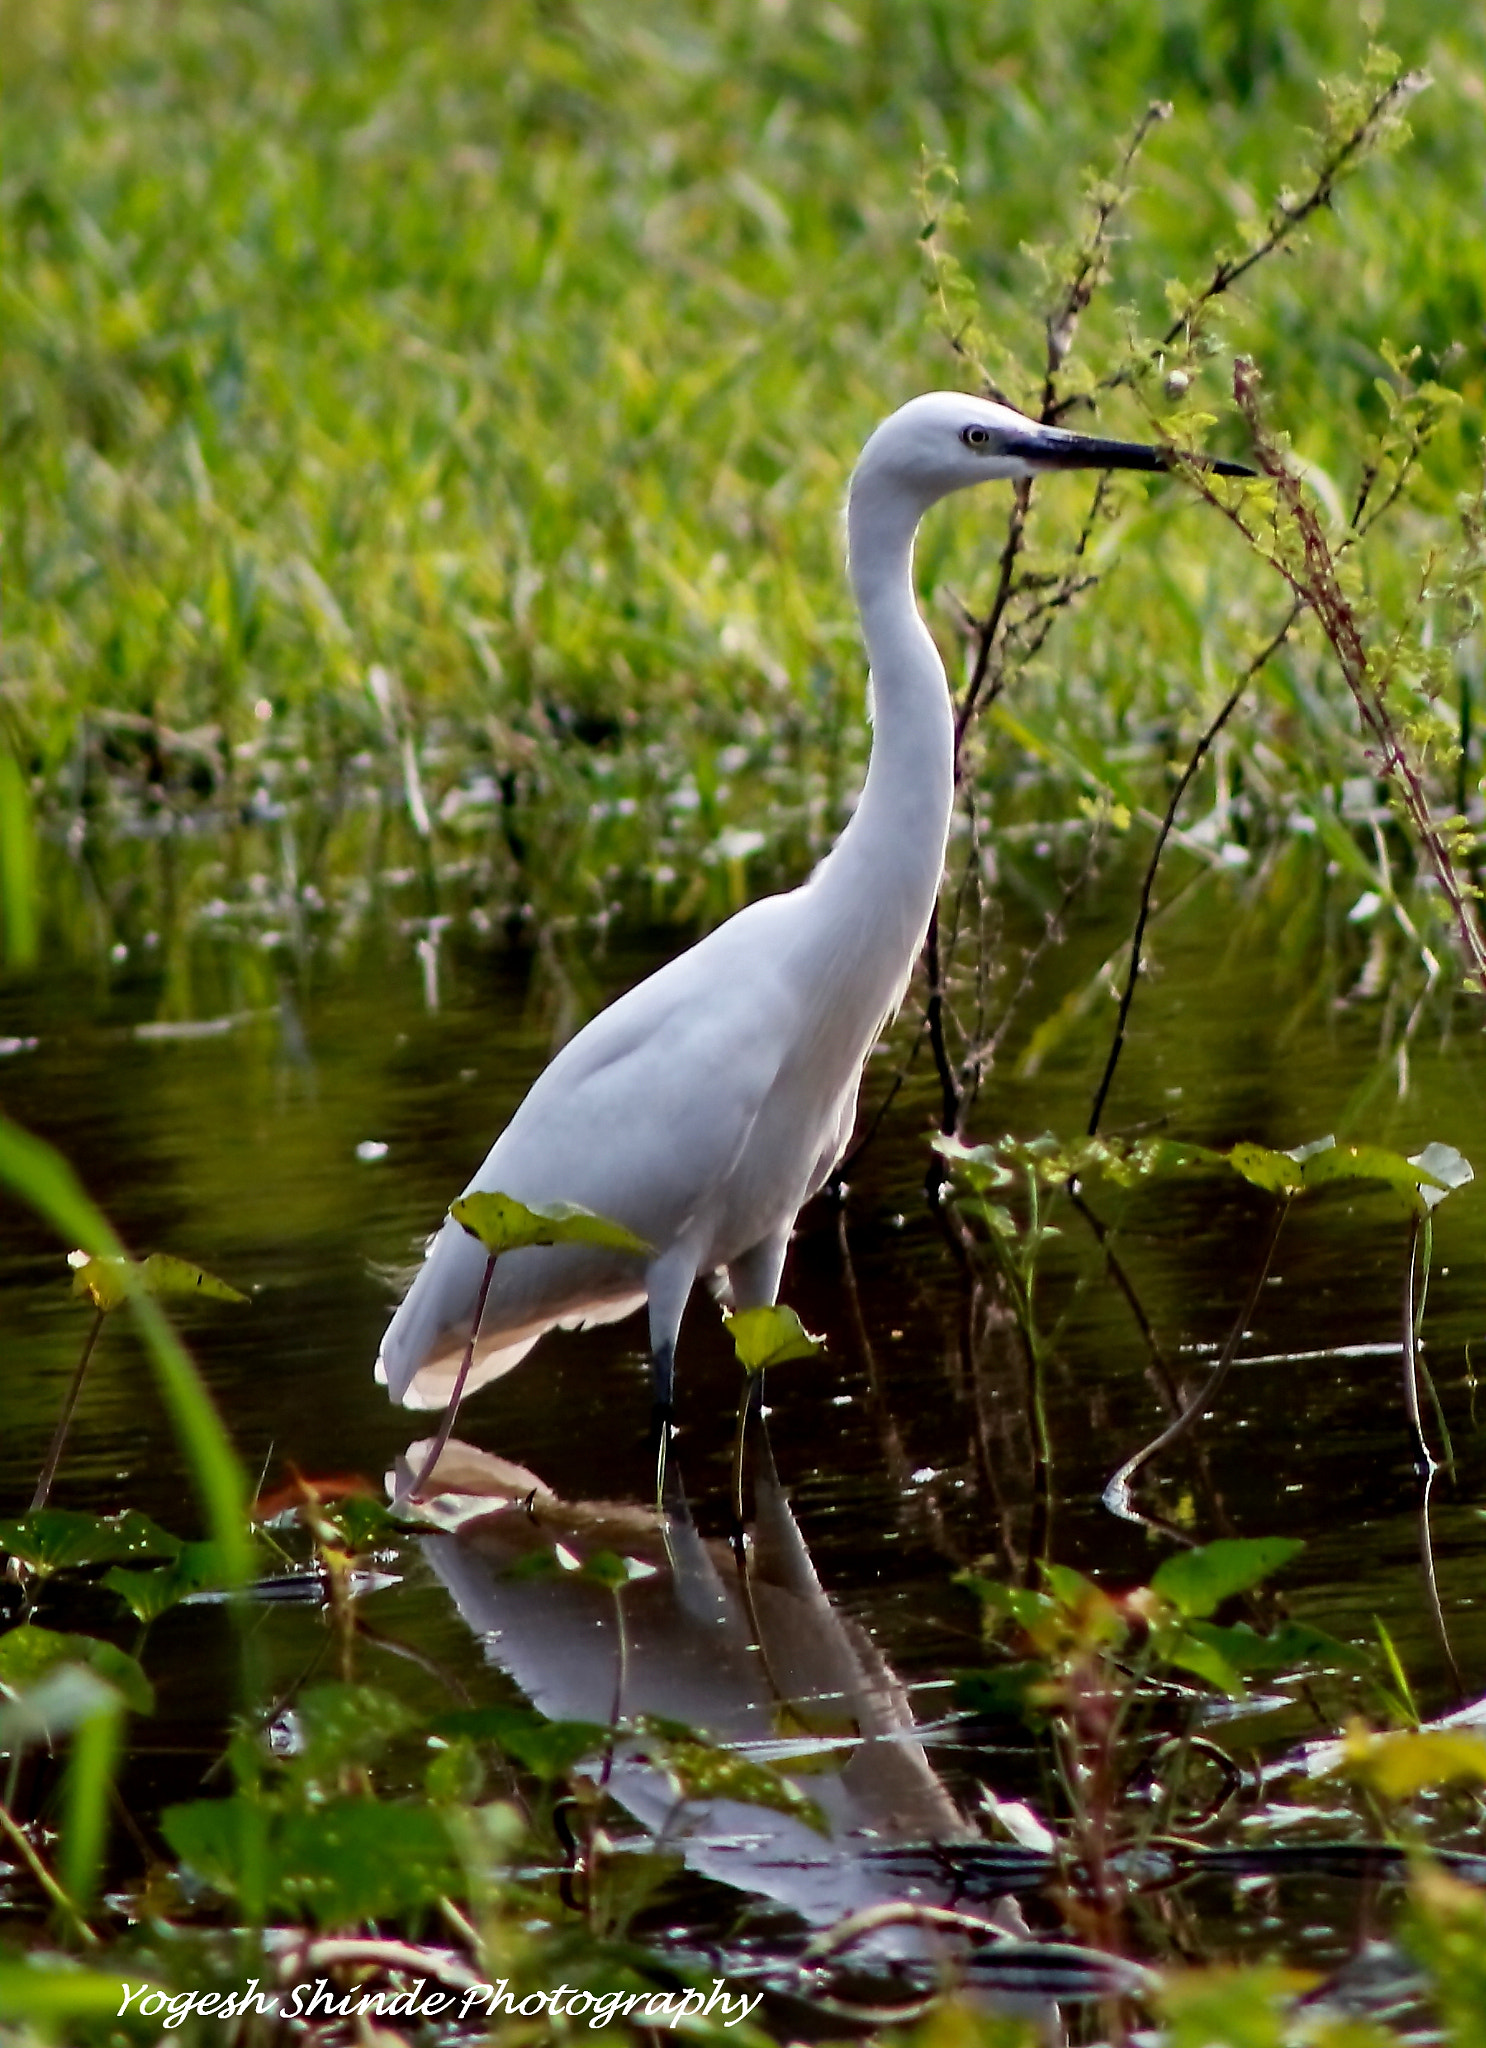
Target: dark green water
(906, 1450)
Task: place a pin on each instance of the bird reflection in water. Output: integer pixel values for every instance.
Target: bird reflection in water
(891, 1894)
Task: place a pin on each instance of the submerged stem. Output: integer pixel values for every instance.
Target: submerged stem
(1425, 1462)
(442, 1434)
(1431, 1582)
(64, 1420)
(1117, 1492)
(22, 1844)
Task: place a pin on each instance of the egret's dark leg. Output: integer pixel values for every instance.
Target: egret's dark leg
(668, 1284)
(754, 1277)
(663, 1377)
(662, 1405)
(750, 1406)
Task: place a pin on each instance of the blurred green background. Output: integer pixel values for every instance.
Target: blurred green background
(425, 427)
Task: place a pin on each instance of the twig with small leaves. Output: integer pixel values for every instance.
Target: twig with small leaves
(1012, 630)
(1297, 548)
(1090, 266)
(1356, 134)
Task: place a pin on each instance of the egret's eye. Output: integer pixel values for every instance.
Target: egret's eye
(976, 437)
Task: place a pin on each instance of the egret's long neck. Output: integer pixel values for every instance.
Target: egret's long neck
(886, 866)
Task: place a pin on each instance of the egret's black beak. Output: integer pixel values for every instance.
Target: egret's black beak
(1056, 448)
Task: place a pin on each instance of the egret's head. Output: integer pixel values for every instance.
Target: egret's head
(946, 441)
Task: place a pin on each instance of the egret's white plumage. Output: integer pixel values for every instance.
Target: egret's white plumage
(707, 1105)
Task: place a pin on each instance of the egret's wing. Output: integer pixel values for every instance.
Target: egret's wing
(642, 1119)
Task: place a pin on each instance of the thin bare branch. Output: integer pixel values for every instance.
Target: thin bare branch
(1148, 885)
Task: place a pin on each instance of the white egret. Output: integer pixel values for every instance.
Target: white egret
(707, 1105)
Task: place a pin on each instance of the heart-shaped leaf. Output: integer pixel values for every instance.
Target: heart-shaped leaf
(502, 1224)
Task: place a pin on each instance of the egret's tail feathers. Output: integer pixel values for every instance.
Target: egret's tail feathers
(431, 1384)
(533, 1291)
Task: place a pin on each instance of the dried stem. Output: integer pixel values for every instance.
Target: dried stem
(1013, 629)
(1314, 580)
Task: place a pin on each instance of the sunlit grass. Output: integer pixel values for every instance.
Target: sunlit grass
(523, 356)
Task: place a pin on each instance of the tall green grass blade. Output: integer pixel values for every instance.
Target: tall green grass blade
(18, 896)
(26, 1853)
(88, 1789)
(53, 1996)
(40, 1177)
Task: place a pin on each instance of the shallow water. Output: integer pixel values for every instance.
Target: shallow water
(302, 1146)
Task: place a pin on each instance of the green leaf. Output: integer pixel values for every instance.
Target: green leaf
(87, 1797)
(108, 1281)
(502, 1224)
(1367, 1162)
(19, 896)
(1020, 1604)
(225, 1842)
(1406, 1701)
(456, 1773)
(1290, 1650)
(770, 1336)
(1445, 1930)
(702, 1770)
(347, 1860)
(1224, 2007)
(980, 1167)
(1278, 1173)
(342, 1725)
(608, 1568)
(1316, 1149)
(545, 1562)
(29, 1654)
(1004, 1691)
(1198, 1581)
(1423, 1180)
(339, 1861)
(363, 1521)
(1190, 1651)
(51, 1539)
(1324, 1163)
(1070, 1588)
(548, 1749)
(1402, 1762)
(200, 1568)
(1055, 1160)
(1084, 1615)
